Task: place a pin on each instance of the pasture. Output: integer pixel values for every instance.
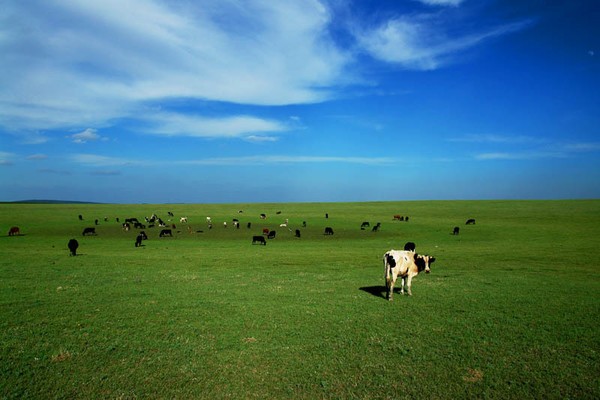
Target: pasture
(510, 309)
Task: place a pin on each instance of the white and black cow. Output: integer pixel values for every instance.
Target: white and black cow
(406, 265)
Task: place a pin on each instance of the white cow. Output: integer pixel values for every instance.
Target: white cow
(406, 265)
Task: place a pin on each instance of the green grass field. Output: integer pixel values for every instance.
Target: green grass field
(510, 310)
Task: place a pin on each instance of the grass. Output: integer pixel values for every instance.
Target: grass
(510, 309)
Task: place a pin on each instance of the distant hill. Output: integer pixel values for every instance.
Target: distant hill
(49, 202)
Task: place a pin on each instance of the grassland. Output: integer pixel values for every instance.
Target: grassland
(510, 310)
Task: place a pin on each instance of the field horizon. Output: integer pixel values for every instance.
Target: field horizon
(509, 310)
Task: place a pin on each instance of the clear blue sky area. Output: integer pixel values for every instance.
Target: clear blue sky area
(212, 101)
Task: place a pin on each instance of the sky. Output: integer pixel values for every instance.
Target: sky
(231, 101)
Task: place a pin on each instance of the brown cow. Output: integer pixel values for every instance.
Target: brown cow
(14, 231)
(406, 265)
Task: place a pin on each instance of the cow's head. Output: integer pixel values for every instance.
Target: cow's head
(423, 262)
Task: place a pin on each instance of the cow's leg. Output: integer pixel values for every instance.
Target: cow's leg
(409, 285)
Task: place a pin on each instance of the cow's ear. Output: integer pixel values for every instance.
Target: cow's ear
(432, 259)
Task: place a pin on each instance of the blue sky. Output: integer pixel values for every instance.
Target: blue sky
(148, 101)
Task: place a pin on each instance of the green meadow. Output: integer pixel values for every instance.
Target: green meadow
(511, 309)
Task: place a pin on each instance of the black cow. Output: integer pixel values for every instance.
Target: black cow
(410, 246)
(259, 240)
(456, 230)
(88, 231)
(376, 227)
(271, 235)
(165, 232)
(470, 222)
(80, 217)
(364, 225)
(328, 231)
(297, 233)
(73, 245)
(249, 225)
(139, 238)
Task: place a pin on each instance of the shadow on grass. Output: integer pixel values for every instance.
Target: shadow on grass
(377, 291)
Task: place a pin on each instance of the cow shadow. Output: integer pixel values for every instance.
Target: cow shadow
(377, 291)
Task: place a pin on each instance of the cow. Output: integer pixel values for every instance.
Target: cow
(14, 231)
(271, 235)
(263, 216)
(406, 265)
(364, 225)
(328, 231)
(165, 232)
(141, 236)
(249, 225)
(297, 233)
(470, 221)
(80, 217)
(398, 217)
(88, 231)
(265, 231)
(409, 246)
(259, 240)
(73, 245)
(126, 226)
(456, 230)
(376, 227)
(183, 220)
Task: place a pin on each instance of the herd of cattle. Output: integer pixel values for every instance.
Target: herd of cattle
(404, 264)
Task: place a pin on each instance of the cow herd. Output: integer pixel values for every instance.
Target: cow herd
(398, 264)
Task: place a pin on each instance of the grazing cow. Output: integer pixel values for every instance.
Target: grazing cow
(265, 231)
(96, 221)
(398, 217)
(88, 231)
(328, 231)
(263, 216)
(271, 235)
(470, 222)
(410, 246)
(14, 231)
(406, 265)
(73, 245)
(80, 217)
(297, 233)
(259, 240)
(165, 232)
(126, 226)
(364, 225)
(304, 224)
(456, 230)
(170, 214)
(183, 220)
(376, 227)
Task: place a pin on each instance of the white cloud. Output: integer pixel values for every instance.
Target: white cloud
(171, 124)
(421, 42)
(283, 159)
(74, 63)
(37, 157)
(6, 158)
(88, 135)
(442, 2)
(94, 160)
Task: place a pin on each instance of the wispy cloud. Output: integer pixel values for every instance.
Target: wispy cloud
(88, 135)
(172, 124)
(423, 42)
(86, 63)
(6, 158)
(493, 138)
(283, 159)
(95, 160)
(37, 157)
(442, 2)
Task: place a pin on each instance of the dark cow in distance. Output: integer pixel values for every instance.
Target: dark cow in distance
(297, 233)
(271, 235)
(470, 221)
(364, 225)
(88, 231)
(456, 230)
(410, 246)
(165, 232)
(141, 236)
(328, 231)
(259, 240)
(73, 245)
(14, 231)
